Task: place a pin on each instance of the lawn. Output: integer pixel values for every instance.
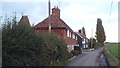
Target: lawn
(111, 53)
(114, 49)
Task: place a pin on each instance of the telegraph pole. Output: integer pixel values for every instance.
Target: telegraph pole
(92, 39)
(49, 8)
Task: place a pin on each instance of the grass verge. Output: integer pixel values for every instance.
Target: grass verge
(111, 52)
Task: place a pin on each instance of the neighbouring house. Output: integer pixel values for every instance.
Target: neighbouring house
(83, 41)
(79, 39)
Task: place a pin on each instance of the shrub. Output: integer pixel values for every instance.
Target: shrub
(54, 50)
(22, 47)
(78, 48)
(70, 55)
(75, 52)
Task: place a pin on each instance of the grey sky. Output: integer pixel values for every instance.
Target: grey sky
(76, 13)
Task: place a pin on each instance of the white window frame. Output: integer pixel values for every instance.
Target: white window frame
(68, 33)
(76, 37)
(73, 36)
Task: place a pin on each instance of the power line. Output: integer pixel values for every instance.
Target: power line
(110, 12)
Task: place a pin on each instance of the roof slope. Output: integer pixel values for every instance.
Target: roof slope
(82, 35)
(55, 22)
(25, 20)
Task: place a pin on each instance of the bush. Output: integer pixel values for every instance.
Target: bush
(54, 50)
(22, 47)
(75, 52)
(78, 48)
(70, 55)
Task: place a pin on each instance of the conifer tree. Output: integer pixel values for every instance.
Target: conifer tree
(83, 30)
(100, 32)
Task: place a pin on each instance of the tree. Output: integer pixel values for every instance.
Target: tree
(21, 46)
(92, 42)
(79, 31)
(83, 30)
(100, 32)
(54, 50)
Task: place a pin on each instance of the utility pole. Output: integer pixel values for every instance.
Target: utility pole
(49, 8)
(92, 39)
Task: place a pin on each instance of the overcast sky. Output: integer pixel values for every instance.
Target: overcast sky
(75, 13)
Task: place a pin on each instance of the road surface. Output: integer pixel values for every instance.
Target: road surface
(86, 59)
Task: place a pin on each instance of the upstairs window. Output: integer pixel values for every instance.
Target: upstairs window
(68, 33)
(73, 36)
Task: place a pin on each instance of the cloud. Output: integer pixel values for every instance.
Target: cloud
(24, 0)
(76, 13)
(77, 16)
(76, 10)
(111, 30)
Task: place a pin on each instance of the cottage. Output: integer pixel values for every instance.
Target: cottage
(58, 27)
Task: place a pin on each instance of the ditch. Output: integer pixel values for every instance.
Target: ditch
(102, 61)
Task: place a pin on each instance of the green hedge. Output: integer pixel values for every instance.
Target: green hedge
(75, 52)
(21, 46)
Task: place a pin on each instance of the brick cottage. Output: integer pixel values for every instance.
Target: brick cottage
(58, 27)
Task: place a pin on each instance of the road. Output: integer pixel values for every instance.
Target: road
(86, 59)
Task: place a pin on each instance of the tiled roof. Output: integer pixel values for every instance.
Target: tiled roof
(55, 22)
(25, 19)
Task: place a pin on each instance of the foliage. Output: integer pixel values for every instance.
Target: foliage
(78, 48)
(54, 49)
(19, 46)
(100, 32)
(92, 42)
(70, 55)
(75, 52)
(23, 47)
(83, 30)
(79, 30)
(112, 60)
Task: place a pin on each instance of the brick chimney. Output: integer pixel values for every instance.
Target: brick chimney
(56, 12)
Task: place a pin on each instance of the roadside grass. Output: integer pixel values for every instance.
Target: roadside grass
(114, 49)
(111, 53)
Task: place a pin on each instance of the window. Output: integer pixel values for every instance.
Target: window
(68, 33)
(73, 36)
(76, 37)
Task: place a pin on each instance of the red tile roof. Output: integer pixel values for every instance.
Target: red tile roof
(55, 22)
